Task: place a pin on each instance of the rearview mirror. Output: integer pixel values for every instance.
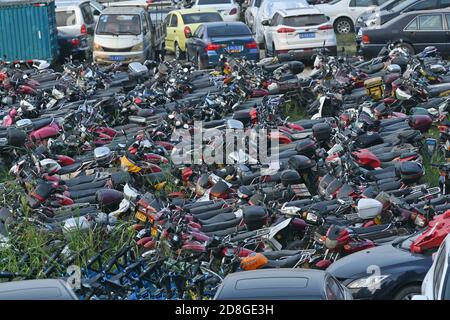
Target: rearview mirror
(266, 22)
(328, 18)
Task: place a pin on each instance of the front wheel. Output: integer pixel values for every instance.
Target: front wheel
(408, 292)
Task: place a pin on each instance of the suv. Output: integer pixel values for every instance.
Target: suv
(301, 30)
(75, 23)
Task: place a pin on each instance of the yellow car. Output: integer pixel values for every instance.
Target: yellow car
(181, 24)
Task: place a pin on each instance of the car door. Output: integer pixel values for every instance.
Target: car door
(170, 34)
(196, 43)
(269, 34)
(146, 34)
(430, 32)
(358, 7)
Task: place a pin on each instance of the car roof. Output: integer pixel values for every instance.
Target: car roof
(122, 10)
(442, 10)
(41, 289)
(274, 284)
(69, 3)
(193, 10)
(298, 11)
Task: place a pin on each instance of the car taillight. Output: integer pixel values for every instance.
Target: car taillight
(233, 11)
(83, 29)
(326, 27)
(213, 47)
(251, 45)
(365, 39)
(187, 31)
(75, 42)
(285, 30)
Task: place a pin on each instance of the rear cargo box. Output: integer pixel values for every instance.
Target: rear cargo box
(28, 31)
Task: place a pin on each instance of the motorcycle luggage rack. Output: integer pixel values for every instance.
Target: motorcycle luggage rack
(301, 190)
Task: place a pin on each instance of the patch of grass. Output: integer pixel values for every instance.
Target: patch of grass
(346, 44)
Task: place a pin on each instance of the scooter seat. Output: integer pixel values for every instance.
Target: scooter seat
(436, 89)
(288, 262)
(221, 225)
(275, 255)
(223, 217)
(70, 168)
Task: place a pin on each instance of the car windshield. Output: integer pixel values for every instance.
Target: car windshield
(119, 24)
(305, 21)
(228, 31)
(402, 5)
(391, 4)
(208, 2)
(202, 17)
(275, 6)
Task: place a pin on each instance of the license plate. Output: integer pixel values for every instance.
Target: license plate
(141, 216)
(307, 35)
(234, 49)
(117, 58)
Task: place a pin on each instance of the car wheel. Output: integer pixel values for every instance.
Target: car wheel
(408, 292)
(406, 46)
(343, 26)
(178, 53)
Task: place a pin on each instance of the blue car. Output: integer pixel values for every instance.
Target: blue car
(211, 40)
(387, 272)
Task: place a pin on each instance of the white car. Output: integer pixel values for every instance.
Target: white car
(251, 12)
(268, 9)
(228, 9)
(302, 30)
(344, 13)
(436, 285)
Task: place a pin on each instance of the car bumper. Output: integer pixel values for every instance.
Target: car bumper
(308, 52)
(369, 50)
(113, 57)
(213, 58)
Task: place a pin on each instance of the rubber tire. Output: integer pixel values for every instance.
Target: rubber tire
(411, 289)
(352, 27)
(407, 46)
(180, 55)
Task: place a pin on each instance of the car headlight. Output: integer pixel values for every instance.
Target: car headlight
(371, 282)
(138, 47)
(97, 47)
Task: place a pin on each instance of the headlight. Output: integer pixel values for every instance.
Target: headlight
(138, 47)
(371, 282)
(97, 47)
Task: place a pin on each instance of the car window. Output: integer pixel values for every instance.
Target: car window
(423, 5)
(276, 20)
(438, 271)
(119, 24)
(174, 21)
(86, 11)
(430, 22)
(305, 21)
(229, 30)
(380, 2)
(199, 32)
(334, 290)
(201, 17)
(444, 4)
(362, 3)
(167, 20)
(412, 26)
(66, 18)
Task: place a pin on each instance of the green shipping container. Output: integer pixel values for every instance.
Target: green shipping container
(28, 31)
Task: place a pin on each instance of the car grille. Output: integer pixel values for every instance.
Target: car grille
(117, 50)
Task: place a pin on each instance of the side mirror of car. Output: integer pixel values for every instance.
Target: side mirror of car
(266, 22)
(328, 18)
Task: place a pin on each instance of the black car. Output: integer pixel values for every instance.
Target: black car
(414, 31)
(282, 284)
(386, 272)
(410, 6)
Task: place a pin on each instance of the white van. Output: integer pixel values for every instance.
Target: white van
(122, 34)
